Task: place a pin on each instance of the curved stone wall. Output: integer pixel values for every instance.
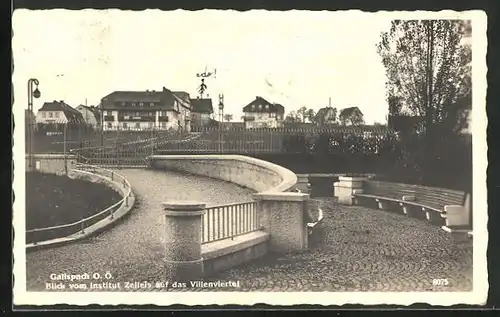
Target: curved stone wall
(249, 172)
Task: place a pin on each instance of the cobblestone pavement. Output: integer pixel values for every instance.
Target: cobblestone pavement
(133, 249)
(355, 249)
(362, 249)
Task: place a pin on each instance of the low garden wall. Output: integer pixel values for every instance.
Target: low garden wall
(49, 163)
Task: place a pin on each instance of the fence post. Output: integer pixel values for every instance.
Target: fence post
(183, 261)
(283, 216)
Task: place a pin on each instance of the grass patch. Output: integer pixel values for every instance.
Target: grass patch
(53, 200)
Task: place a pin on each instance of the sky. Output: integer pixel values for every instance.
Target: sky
(295, 58)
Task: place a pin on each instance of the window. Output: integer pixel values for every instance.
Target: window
(51, 114)
(150, 125)
(260, 106)
(137, 125)
(133, 104)
(164, 125)
(109, 125)
(267, 106)
(125, 126)
(151, 104)
(272, 115)
(141, 104)
(109, 113)
(44, 114)
(56, 114)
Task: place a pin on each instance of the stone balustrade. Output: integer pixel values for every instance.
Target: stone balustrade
(283, 223)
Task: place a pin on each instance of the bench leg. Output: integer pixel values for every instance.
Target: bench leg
(432, 216)
(428, 215)
(406, 209)
(381, 204)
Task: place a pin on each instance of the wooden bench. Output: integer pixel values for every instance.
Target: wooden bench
(447, 207)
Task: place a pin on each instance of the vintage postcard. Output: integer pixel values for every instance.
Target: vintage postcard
(278, 158)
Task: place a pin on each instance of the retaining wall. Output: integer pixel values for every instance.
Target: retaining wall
(245, 171)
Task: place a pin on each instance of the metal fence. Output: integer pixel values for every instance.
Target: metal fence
(131, 147)
(228, 221)
(42, 234)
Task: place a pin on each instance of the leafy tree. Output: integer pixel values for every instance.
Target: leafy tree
(302, 112)
(292, 117)
(351, 116)
(428, 69)
(326, 115)
(228, 117)
(429, 72)
(311, 115)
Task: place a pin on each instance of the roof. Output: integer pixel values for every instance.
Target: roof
(349, 111)
(164, 97)
(202, 105)
(182, 95)
(71, 114)
(322, 112)
(92, 110)
(262, 105)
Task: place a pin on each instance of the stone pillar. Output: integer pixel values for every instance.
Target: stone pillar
(283, 216)
(345, 187)
(303, 183)
(183, 259)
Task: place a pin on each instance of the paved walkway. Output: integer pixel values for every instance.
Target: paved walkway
(361, 249)
(358, 249)
(133, 249)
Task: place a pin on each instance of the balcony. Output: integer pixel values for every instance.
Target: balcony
(248, 118)
(163, 118)
(109, 118)
(137, 118)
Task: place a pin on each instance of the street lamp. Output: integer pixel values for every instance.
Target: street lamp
(32, 83)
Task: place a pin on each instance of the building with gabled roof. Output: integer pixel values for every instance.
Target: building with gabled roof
(261, 113)
(89, 114)
(150, 109)
(201, 111)
(58, 112)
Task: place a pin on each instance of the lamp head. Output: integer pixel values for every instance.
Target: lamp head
(36, 93)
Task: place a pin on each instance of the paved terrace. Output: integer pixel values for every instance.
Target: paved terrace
(357, 248)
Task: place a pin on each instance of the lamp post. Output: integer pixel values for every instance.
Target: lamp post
(32, 82)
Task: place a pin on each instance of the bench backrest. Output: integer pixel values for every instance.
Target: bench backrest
(430, 196)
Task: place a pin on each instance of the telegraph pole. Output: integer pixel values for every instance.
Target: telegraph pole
(221, 120)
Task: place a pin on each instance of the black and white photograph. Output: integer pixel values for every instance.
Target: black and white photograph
(282, 158)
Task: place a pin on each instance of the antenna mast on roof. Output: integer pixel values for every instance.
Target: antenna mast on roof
(221, 107)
